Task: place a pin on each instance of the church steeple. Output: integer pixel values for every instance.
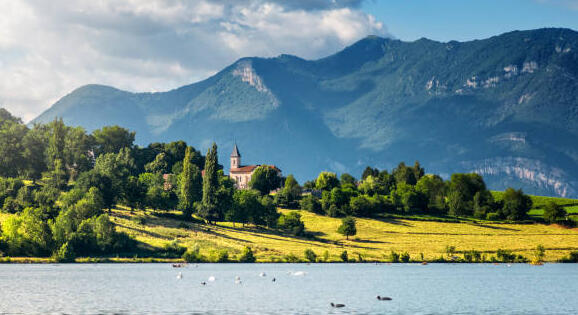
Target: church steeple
(235, 158)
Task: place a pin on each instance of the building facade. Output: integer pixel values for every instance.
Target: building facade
(242, 174)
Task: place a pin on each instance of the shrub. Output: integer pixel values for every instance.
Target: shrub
(291, 258)
(65, 254)
(310, 255)
(507, 256)
(404, 257)
(193, 255)
(493, 216)
(311, 203)
(572, 257)
(222, 256)
(174, 249)
(291, 223)
(326, 256)
(394, 257)
(472, 256)
(247, 255)
(553, 212)
(344, 256)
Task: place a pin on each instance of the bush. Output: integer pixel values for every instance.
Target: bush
(65, 254)
(310, 255)
(291, 258)
(507, 256)
(291, 223)
(193, 255)
(572, 257)
(394, 257)
(311, 204)
(493, 216)
(472, 256)
(344, 256)
(174, 249)
(326, 256)
(222, 256)
(404, 257)
(247, 255)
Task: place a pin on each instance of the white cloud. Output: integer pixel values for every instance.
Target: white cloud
(49, 48)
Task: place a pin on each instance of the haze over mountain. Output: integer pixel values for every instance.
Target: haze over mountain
(505, 107)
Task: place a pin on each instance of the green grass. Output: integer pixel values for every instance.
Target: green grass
(374, 241)
(538, 203)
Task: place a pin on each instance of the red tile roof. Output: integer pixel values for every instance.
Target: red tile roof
(244, 169)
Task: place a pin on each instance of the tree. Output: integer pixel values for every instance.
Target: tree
(347, 227)
(209, 206)
(292, 191)
(190, 185)
(265, 178)
(11, 148)
(326, 181)
(111, 139)
(369, 172)
(516, 204)
(361, 206)
(159, 165)
(346, 180)
(117, 167)
(247, 255)
(291, 223)
(34, 144)
(56, 144)
(553, 212)
(372, 185)
(310, 255)
(404, 174)
(433, 187)
(311, 203)
(411, 199)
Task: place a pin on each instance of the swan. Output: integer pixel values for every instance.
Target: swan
(299, 273)
(337, 305)
(179, 276)
(262, 274)
(212, 279)
(384, 298)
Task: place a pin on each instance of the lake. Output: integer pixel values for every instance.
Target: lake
(298, 289)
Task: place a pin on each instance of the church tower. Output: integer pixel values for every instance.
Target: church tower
(235, 158)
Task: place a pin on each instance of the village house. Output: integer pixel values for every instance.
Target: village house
(242, 174)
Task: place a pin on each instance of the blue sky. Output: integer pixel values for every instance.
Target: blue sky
(462, 20)
(49, 48)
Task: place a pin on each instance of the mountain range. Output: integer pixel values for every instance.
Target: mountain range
(505, 107)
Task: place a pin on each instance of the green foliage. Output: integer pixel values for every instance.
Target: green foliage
(553, 212)
(290, 194)
(174, 249)
(247, 255)
(539, 254)
(190, 185)
(394, 257)
(193, 255)
(472, 256)
(572, 257)
(310, 255)
(516, 204)
(506, 256)
(291, 223)
(347, 227)
(344, 256)
(404, 257)
(462, 189)
(65, 254)
(159, 165)
(311, 204)
(291, 258)
(221, 256)
(326, 181)
(264, 179)
(112, 139)
(27, 234)
(209, 207)
(493, 216)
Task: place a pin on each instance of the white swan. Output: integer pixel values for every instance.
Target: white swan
(212, 279)
(179, 276)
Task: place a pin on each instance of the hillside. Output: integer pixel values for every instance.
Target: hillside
(375, 240)
(505, 107)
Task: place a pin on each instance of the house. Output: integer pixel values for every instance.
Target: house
(242, 174)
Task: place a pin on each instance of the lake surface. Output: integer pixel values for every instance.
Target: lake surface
(298, 289)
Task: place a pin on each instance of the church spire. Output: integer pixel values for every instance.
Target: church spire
(235, 152)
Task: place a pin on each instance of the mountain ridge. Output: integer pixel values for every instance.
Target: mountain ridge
(506, 106)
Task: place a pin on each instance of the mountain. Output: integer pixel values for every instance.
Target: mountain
(505, 107)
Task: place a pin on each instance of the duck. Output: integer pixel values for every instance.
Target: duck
(384, 298)
(274, 280)
(203, 283)
(337, 305)
(179, 276)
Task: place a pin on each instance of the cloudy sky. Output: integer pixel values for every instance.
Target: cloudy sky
(49, 48)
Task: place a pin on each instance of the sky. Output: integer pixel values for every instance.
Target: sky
(49, 48)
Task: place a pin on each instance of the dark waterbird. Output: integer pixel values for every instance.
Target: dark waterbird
(384, 298)
(337, 305)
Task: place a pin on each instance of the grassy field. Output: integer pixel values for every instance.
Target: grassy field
(374, 241)
(538, 203)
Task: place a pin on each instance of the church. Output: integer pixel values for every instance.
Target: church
(242, 174)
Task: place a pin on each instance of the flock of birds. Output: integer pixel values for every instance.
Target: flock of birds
(263, 274)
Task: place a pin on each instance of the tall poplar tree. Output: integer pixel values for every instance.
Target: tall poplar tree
(190, 182)
(209, 209)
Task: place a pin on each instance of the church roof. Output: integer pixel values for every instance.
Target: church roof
(235, 152)
(244, 169)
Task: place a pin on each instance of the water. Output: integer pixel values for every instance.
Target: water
(415, 289)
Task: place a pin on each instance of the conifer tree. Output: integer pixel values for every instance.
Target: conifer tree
(209, 209)
(190, 185)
